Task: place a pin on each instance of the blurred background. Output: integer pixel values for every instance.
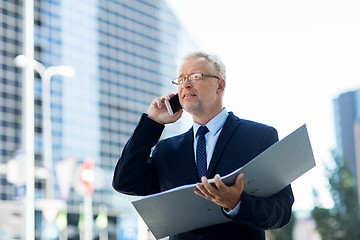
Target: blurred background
(77, 75)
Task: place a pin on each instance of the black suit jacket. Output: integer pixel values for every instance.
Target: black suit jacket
(172, 164)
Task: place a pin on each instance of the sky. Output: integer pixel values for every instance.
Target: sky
(286, 62)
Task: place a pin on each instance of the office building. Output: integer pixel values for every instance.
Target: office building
(347, 127)
(125, 54)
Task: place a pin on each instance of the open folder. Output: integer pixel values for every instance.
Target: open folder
(180, 209)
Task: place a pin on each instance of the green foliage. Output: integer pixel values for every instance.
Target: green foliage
(284, 233)
(343, 220)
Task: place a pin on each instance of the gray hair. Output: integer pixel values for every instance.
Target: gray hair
(215, 62)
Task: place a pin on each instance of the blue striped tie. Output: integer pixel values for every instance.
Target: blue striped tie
(201, 151)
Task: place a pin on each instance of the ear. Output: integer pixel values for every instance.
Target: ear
(221, 86)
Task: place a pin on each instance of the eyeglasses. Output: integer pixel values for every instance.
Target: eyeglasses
(192, 78)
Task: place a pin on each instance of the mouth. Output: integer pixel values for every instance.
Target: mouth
(188, 95)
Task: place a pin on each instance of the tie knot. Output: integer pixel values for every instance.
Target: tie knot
(202, 131)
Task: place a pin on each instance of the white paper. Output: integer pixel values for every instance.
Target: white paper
(180, 209)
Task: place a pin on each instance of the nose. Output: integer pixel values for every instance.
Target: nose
(187, 83)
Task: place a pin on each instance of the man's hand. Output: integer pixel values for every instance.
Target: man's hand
(225, 196)
(157, 111)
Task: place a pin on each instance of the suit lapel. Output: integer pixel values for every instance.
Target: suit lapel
(227, 131)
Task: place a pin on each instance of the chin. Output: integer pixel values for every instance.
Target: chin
(192, 108)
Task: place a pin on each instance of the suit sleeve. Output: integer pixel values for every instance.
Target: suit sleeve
(266, 212)
(134, 173)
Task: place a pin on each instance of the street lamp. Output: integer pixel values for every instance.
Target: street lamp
(46, 74)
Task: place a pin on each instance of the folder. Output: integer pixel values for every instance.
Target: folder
(180, 209)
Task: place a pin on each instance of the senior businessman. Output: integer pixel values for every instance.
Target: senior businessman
(217, 144)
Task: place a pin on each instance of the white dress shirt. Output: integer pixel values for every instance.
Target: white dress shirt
(215, 126)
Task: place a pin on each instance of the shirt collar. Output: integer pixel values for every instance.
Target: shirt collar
(215, 124)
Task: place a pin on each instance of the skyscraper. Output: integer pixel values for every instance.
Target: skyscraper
(125, 53)
(347, 126)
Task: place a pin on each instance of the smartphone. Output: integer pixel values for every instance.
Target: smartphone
(173, 105)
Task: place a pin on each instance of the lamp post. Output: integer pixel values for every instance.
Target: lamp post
(46, 74)
(28, 119)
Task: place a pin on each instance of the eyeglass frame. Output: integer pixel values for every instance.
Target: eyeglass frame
(175, 81)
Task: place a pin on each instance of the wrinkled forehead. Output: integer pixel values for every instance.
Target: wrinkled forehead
(195, 65)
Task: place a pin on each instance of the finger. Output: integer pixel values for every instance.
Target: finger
(164, 97)
(161, 103)
(205, 182)
(167, 96)
(198, 192)
(171, 95)
(212, 190)
(178, 114)
(204, 191)
(218, 183)
(157, 102)
(239, 182)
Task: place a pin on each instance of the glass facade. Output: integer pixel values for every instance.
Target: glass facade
(347, 112)
(347, 127)
(125, 54)
(10, 89)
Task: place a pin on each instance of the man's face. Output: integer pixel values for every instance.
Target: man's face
(199, 97)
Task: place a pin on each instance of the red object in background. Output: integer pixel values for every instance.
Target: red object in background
(87, 175)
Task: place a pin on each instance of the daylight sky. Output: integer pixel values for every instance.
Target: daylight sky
(286, 61)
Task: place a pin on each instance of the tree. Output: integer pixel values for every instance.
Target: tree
(343, 220)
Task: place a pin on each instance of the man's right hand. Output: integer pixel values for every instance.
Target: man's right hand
(158, 112)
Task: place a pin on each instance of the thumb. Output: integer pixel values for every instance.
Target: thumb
(239, 182)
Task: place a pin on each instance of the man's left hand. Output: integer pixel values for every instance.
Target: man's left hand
(225, 196)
